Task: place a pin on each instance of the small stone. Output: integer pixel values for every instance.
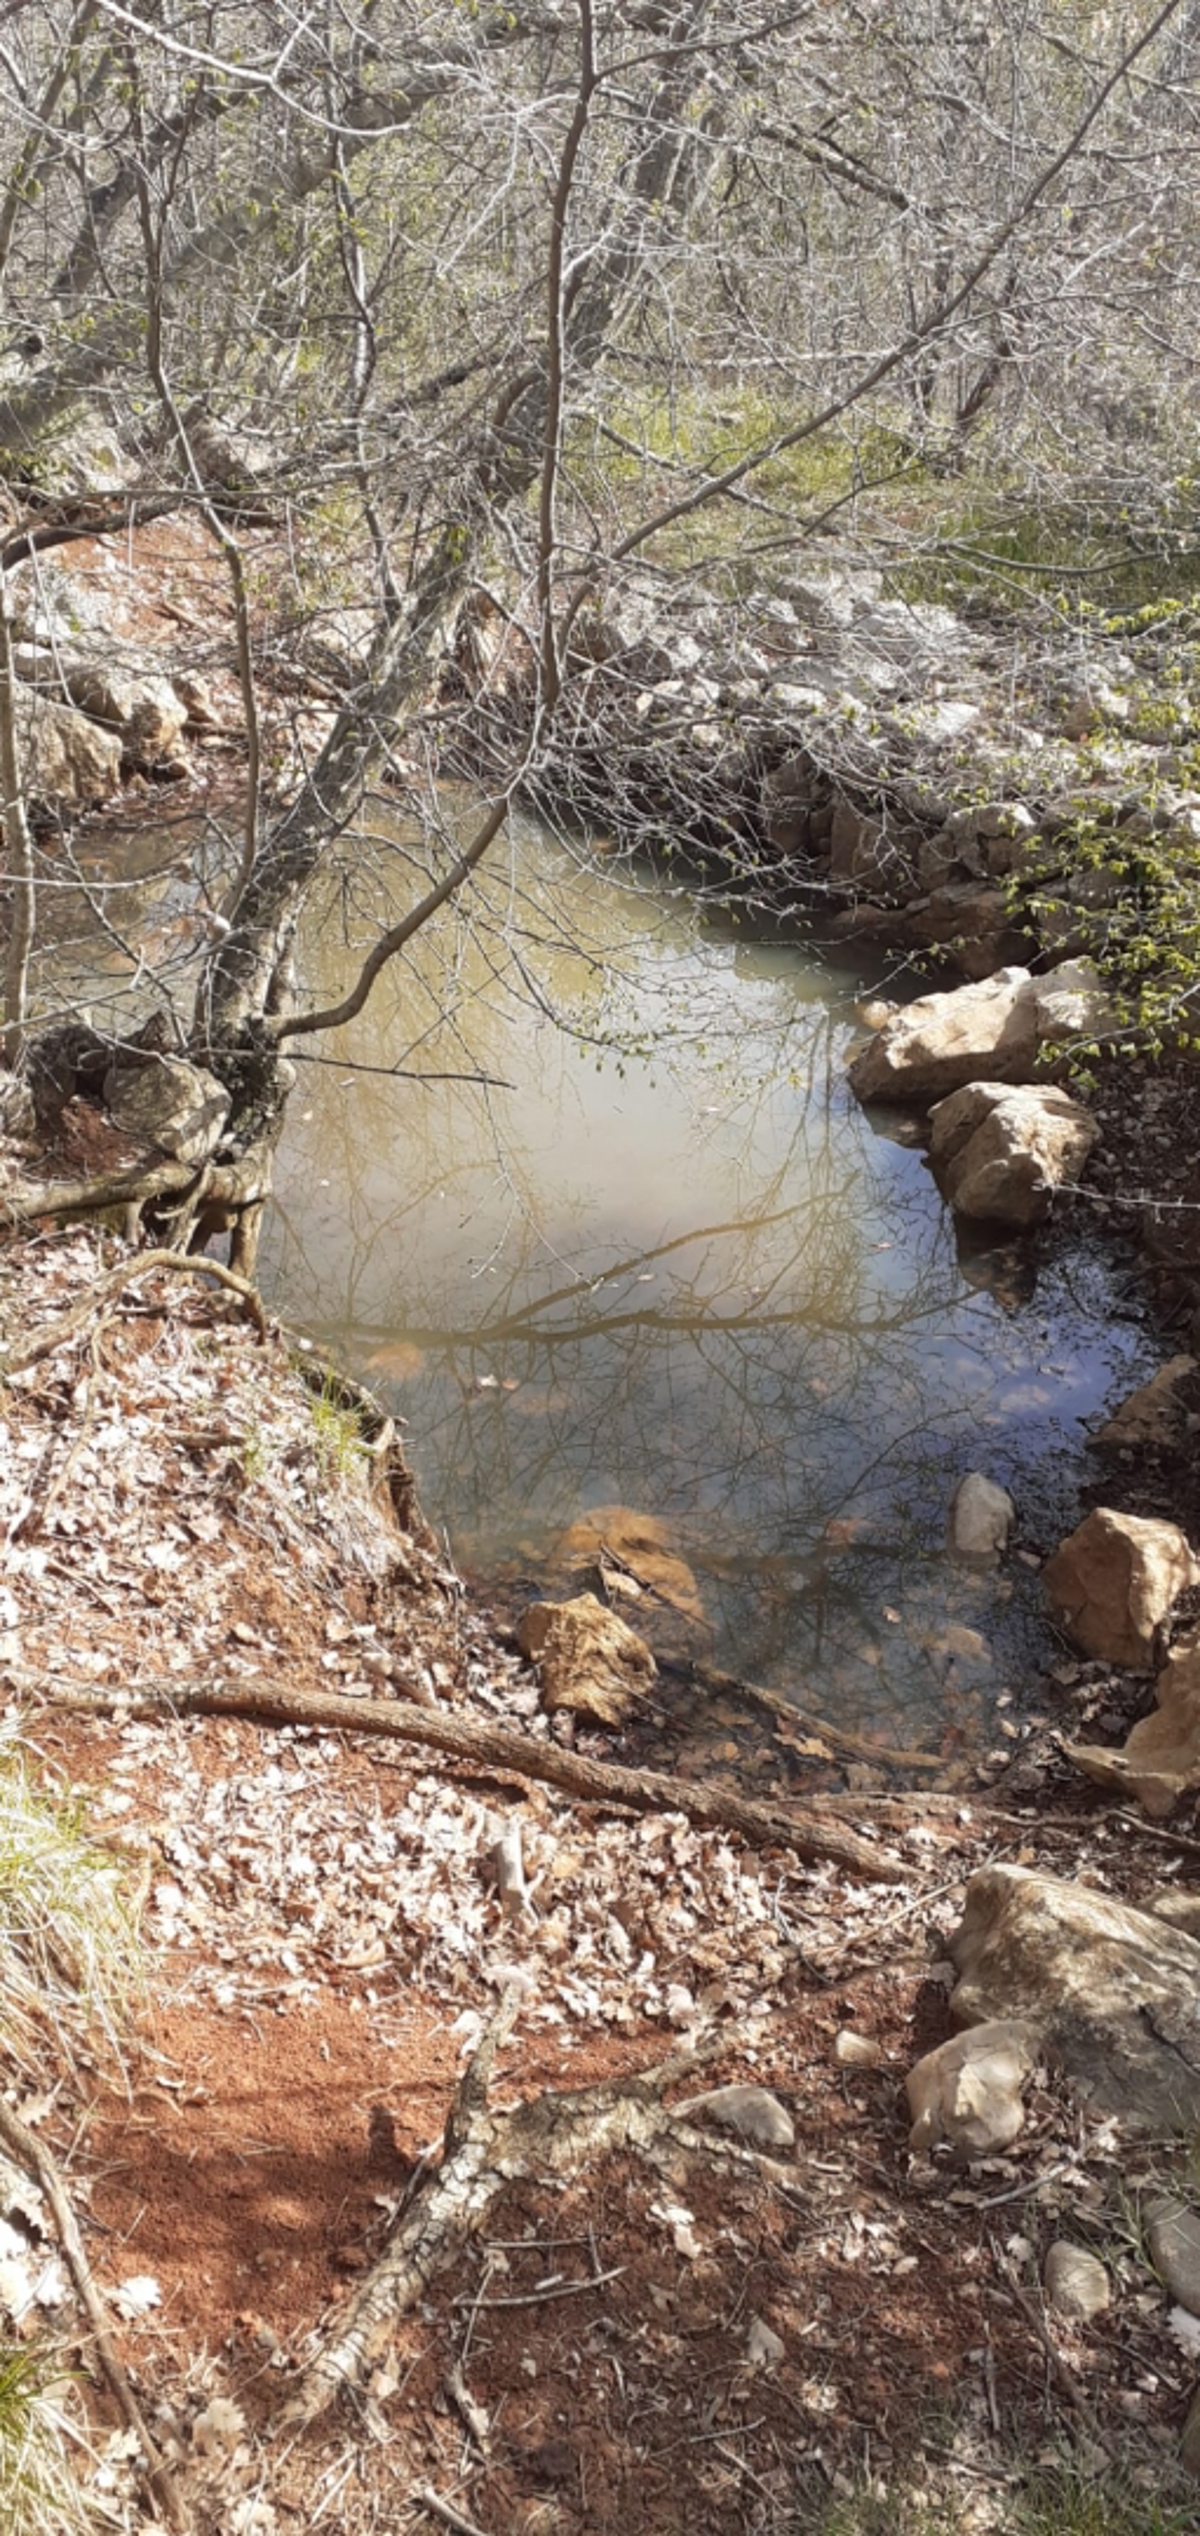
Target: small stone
(1173, 2236)
(752, 2111)
(1076, 2281)
(856, 2051)
(968, 2092)
(764, 2349)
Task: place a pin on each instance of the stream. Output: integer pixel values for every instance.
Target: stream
(660, 1260)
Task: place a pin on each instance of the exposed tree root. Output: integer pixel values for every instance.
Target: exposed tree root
(42, 1342)
(500, 1747)
(37, 2162)
(484, 2151)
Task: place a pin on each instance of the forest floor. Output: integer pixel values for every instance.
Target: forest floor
(839, 2336)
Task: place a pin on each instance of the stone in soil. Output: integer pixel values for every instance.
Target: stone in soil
(967, 2094)
(1173, 2236)
(1076, 2282)
(1113, 1992)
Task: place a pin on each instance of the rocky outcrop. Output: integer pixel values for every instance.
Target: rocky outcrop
(1001, 1150)
(1112, 1582)
(1114, 1993)
(140, 704)
(1159, 1764)
(67, 760)
(163, 1101)
(589, 1661)
(936, 1045)
(968, 2094)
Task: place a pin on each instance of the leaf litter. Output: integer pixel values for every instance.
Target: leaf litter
(326, 1941)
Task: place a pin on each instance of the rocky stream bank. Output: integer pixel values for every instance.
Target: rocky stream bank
(516, 2135)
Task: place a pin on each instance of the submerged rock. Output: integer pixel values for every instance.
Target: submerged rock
(1155, 1414)
(1113, 1581)
(634, 1553)
(1001, 1150)
(981, 1517)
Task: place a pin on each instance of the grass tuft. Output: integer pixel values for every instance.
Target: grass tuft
(68, 1959)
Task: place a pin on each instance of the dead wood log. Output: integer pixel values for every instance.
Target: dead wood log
(37, 2162)
(477, 1740)
(42, 1342)
(551, 2134)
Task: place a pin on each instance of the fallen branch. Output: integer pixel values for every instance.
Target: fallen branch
(484, 2151)
(788, 1713)
(15, 1357)
(478, 1741)
(38, 2162)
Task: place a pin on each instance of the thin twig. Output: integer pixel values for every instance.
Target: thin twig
(179, 1263)
(427, 2499)
(535, 2297)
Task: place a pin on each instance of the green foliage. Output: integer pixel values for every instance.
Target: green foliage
(1131, 903)
(1060, 2500)
(38, 2494)
(337, 1424)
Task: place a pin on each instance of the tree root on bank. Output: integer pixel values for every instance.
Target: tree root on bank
(52, 1334)
(551, 2134)
(38, 2163)
(476, 1740)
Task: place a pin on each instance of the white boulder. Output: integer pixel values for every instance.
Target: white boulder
(1000, 1150)
(934, 1046)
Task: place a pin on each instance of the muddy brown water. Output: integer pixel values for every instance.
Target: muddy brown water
(660, 1259)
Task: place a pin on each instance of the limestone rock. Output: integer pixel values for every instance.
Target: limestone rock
(856, 2051)
(1180, 1906)
(981, 1517)
(1076, 2281)
(1071, 1003)
(1155, 1414)
(1000, 1150)
(1160, 1761)
(1114, 1992)
(589, 1660)
(968, 2093)
(142, 706)
(1113, 1581)
(164, 1101)
(196, 697)
(753, 2112)
(1173, 2236)
(970, 921)
(939, 1043)
(66, 758)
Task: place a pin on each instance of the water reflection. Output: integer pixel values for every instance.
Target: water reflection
(667, 1264)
